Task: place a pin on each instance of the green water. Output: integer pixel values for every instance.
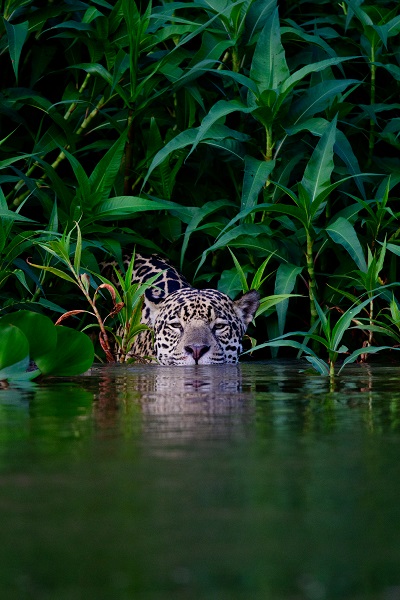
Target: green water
(221, 482)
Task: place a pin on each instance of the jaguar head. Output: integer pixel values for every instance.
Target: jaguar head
(201, 326)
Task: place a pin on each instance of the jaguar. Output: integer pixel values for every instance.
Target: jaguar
(191, 326)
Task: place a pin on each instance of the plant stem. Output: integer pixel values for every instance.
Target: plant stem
(311, 275)
(235, 60)
(371, 319)
(103, 332)
(269, 144)
(128, 155)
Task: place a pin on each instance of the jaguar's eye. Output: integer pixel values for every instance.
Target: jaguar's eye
(175, 325)
(220, 325)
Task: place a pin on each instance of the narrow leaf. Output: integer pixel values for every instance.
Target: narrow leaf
(269, 68)
(256, 173)
(16, 38)
(317, 175)
(342, 232)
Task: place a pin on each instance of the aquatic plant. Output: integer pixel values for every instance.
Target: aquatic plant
(27, 336)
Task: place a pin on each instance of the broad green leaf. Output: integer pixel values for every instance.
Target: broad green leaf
(317, 174)
(106, 170)
(286, 276)
(14, 346)
(122, 207)
(342, 232)
(269, 68)
(270, 301)
(38, 329)
(393, 248)
(16, 38)
(73, 354)
(319, 365)
(256, 173)
(219, 111)
(297, 76)
(13, 216)
(182, 140)
(18, 372)
(354, 7)
(257, 14)
(81, 177)
(342, 147)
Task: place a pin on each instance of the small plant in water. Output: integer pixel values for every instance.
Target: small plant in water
(126, 296)
(330, 338)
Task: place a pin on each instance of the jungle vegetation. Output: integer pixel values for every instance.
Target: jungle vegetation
(252, 142)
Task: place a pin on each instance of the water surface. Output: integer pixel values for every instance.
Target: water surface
(257, 481)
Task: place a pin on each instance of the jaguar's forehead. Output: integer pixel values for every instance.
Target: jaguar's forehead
(190, 303)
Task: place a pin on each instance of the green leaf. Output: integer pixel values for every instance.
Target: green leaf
(81, 177)
(38, 330)
(269, 68)
(12, 216)
(14, 346)
(343, 233)
(317, 174)
(291, 81)
(53, 270)
(78, 250)
(123, 207)
(106, 170)
(16, 38)
(220, 110)
(270, 301)
(256, 173)
(240, 272)
(344, 322)
(73, 354)
(319, 365)
(367, 350)
(200, 213)
(286, 276)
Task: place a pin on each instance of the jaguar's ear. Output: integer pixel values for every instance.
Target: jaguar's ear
(247, 305)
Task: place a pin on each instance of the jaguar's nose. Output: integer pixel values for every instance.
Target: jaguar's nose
(197, 351)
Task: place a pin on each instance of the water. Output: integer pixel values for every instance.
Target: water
(257, 481)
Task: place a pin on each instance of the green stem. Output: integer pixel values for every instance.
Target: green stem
(311, 276)
(269, 144)
(371, 319)
(235, 60)
(129, 155)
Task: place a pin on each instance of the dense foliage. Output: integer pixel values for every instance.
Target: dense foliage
(195, 128)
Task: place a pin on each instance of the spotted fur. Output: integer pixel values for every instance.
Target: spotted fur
(191, 326)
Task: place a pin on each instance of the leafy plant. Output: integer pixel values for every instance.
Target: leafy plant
(27, 336)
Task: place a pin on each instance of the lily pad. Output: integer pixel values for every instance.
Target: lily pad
(73, 354)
